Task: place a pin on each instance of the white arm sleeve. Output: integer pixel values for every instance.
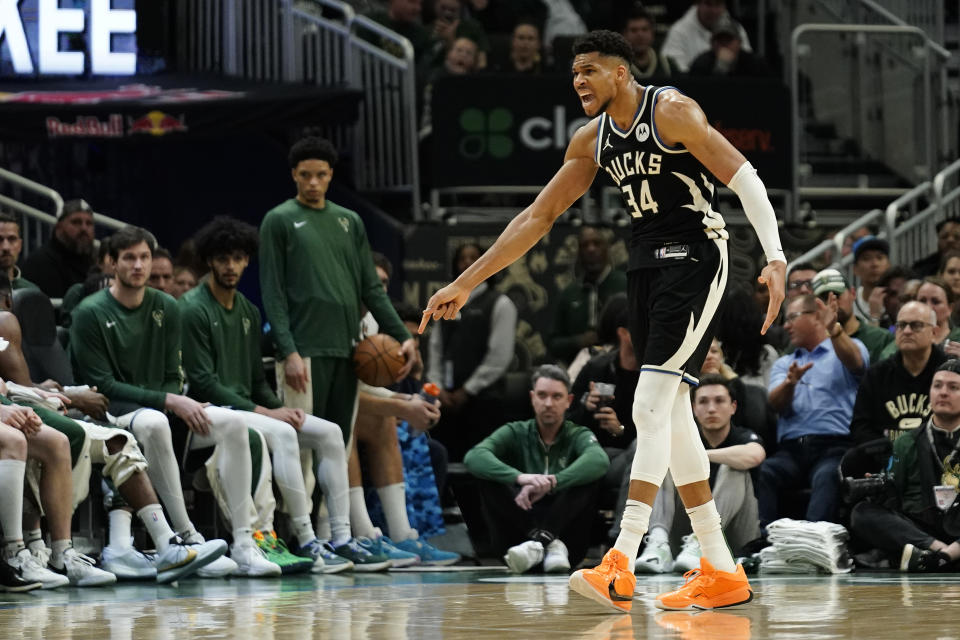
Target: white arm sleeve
(753, 196)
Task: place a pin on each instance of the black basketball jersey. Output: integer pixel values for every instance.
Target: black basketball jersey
(669, 194)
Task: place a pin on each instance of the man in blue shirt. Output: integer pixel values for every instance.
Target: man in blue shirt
(813, 391)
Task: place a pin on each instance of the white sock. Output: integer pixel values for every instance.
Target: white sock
(393, 497)
(34, 540)
(303, 529)
(633, 524)
(243, 537)
(359, 518)
(12, 548)
(58, 547)
(156, 524)
(705, 521)
(120, 520)
(11, 507)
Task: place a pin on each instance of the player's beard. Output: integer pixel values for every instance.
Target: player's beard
(222, 284)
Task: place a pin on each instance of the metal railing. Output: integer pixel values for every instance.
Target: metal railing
(908, 223)
(24, 196)
(320, 42)
(884, 103)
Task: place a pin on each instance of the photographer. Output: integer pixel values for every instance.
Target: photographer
(916, 516)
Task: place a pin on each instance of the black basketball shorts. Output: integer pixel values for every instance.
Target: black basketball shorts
(673, 300)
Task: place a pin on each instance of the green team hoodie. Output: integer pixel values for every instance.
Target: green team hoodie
(221, 351)
(131, 355)
(315, 272)
(574, 458)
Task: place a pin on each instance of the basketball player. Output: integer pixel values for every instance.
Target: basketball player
(660, 150)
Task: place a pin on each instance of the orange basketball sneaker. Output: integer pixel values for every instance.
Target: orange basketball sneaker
(610, 584)
(705, 625)
(708, 588)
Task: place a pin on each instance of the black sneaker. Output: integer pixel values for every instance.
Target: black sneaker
(12, 581)
(917, 560)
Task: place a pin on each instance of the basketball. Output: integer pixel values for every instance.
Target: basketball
(377, 360)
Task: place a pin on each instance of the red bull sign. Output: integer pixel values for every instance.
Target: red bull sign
(97, 21)
(157, 123)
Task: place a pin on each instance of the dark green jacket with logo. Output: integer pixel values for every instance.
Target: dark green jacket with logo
(914, 475)
(574, 458)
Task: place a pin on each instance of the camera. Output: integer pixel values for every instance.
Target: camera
(856, 489)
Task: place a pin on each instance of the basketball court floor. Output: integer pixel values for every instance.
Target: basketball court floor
(486, 603)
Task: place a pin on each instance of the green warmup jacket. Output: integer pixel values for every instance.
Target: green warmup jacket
(221, 351)
(131, 355)
(574, 458)
(315, 272)
(573, 310)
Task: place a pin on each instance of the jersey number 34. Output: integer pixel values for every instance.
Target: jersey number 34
(647, 203)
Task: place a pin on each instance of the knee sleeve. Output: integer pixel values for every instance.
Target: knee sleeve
(688, 458)
(150, 427)
(652, 405)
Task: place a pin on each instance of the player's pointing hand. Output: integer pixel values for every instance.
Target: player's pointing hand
(774, 275)
(444, 304)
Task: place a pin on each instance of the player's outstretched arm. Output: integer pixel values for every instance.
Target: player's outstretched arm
(680, 119)
(569, 183)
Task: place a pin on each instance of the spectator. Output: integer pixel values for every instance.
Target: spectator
(10, 245)
(184, 279)
(649, 67)
(460, 59)
(403, 17)
(936, 294)
(610, 417)
(893, 394)
(734, 454)
(871, 259)
(690, 36)
(125, 340)
(914, 519)
(562, 20)
(830, 282)
(948, 238)
(449, 25)
(579, 304)
(894, 282)
(467, 359)
(800, 280)
(161, 273)
(740, 322)
(726, 56)
(813, 389)
(501, 16)
(100, 276)
(540, 480)
(526, 51)
(68, 256)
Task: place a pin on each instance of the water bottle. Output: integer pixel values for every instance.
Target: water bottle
(430, 393)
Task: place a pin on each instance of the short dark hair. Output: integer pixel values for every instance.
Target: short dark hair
(615, 314)
(383, 262)
(637, 12)
(947, 221)
(604, 42)
(12, 218)
(160, 252)
(937, 281)
(715, 379)
(224, 235)
(129, 236)
(802, 266)
(552, 371)
(312, 148)
(892, 274)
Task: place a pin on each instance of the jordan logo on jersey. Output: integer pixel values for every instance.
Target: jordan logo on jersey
(158, 317)
(607, 144)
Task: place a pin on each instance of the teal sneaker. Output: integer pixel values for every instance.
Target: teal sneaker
(429, 554)
(363, 558)
(382, 546)
(276, 552)
(324, 559)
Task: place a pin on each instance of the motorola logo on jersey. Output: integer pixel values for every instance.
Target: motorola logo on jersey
(492, 132)
(643, 132)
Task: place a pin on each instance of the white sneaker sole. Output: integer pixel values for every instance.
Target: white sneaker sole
(330, 569)
(518, 562)
(371, 567)
(206, 553)
(580, 585)
(643, 566)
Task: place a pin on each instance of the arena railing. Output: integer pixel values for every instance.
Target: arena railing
(23, 195)
(894, 124)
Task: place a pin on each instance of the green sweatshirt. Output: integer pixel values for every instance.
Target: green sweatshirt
(315, 272)
(221, 351)
(131, 355)
(572, 314)
(574, 458)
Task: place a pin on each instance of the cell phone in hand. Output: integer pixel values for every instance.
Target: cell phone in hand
(605, 390)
